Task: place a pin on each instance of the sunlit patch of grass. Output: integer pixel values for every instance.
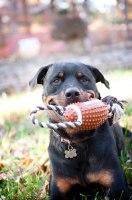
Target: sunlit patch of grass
(27, 188)
(126, 121)
(120, 81)
(22, 144)
(128, 110)
(21, 103)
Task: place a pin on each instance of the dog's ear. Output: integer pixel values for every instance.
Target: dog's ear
(39, 77)
(99, 76)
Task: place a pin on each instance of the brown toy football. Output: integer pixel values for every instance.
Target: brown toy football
(83, 115)
(93, 113)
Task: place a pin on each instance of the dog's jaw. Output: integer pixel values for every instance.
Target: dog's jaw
(61, 100)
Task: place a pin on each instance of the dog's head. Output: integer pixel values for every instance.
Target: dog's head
(68, 82)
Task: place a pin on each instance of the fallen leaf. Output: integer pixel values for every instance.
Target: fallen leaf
(27, 161)
(1, 166)
(21, 187)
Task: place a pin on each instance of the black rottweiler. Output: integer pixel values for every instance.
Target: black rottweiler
(96, 162)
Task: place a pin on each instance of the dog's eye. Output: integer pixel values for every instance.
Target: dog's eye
(84, 79)
(57, 80)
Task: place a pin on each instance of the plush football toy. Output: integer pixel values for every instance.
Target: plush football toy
(84, 115)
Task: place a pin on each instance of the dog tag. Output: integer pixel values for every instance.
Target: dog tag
(71, 152)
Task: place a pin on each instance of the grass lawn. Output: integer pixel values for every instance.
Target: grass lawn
(22, 144)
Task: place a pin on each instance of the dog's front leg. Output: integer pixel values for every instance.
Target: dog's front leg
(60, 189)
(119, 190)
(119, 195)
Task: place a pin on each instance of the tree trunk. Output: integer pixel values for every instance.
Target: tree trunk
(14, 24)
(26, 16)
(128, 37)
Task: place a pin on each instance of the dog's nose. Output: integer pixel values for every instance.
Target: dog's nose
(72, 94)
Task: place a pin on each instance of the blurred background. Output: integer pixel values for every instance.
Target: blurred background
(52, 25)
(34, 33)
